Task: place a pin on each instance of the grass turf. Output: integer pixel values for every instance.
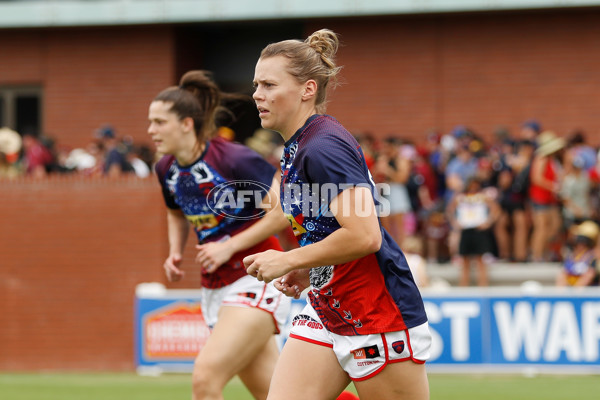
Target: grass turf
(88, 386)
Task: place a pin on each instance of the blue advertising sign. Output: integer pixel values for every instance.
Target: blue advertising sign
(551, 329)
(492, 329)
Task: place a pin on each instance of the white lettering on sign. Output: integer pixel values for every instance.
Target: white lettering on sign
(521, 329)
(459, 313)
(545, 331)
(590, 315)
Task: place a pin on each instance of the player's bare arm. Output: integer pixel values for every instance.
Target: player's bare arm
(214, 254)
(178, 229)
(358, 236)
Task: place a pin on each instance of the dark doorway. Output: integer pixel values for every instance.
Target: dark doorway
(230, 51)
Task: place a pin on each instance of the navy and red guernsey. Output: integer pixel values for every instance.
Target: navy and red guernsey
(219, 194)
(373, 294)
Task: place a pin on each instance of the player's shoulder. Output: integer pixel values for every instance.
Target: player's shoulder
(163, 165)
(325, 133)
(222, 147)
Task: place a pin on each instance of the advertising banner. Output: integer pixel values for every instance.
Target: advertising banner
(496, 329)
(549, 330)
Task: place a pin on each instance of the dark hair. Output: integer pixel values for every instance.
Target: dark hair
(198, 97)
(313, 58)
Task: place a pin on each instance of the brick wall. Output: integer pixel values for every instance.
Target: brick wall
(91, 76)
(406, 75)
(402, 75)
(72, 251)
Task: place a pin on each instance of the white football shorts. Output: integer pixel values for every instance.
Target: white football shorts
(364, 356)
(246, 292)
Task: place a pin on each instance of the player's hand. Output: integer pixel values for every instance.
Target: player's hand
(172, 268)
(293, 283)
(212, 255)
(268, 265)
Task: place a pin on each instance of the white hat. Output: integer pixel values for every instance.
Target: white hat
(549, 143)
(10, 141)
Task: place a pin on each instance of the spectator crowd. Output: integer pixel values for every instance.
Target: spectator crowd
(458, 196)
(106, 154)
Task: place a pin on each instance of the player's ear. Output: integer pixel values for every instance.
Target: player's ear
(310, 89)
(188, 124)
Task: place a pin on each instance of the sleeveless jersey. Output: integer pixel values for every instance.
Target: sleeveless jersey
(208, 192)
(373, 294)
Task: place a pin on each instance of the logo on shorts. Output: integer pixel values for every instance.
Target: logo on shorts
(366, 352)
(248, 294)
(398, 346)
(306, 320)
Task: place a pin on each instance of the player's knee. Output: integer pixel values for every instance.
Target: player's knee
(205, 385)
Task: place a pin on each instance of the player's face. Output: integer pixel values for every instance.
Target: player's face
(165, 128)
(278, 95)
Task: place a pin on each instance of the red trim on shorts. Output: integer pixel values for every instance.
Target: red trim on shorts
(257, 306)
(293, 335)
(410, 351)
(378, 370)
(372, 374)
(277, 330)
(411, 357)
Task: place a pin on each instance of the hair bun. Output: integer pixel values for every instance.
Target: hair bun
(324, 42)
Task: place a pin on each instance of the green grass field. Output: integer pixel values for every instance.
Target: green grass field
(177, 386)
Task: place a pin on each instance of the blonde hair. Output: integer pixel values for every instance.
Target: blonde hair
(313, 58)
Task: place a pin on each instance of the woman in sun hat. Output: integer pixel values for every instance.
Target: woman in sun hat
(546, 174)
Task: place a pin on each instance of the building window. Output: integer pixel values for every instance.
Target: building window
(21, 109)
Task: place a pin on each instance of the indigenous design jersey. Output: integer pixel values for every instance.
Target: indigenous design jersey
(373, 294)
(219, 193)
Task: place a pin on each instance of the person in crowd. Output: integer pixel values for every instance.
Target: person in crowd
(134, 158)
(578, 146)
(394, 168)
(544, 188)
(473, 214)
(413, 251)
(11, 144)
(115, 153)
(512, 227)
(575, 190)
(580, 265)
(530, 130)
(37, 157)
(363, 304)
(198, 175)
(463, 166)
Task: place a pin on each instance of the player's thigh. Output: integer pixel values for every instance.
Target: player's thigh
(238, 336)
(257, 374)
(405, 380)
(307, 371)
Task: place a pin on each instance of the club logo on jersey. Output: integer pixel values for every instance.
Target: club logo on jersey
(240, 199)
(171, 178)
(321, 276)
(398, 346)
(201, 173)
(365, 352)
